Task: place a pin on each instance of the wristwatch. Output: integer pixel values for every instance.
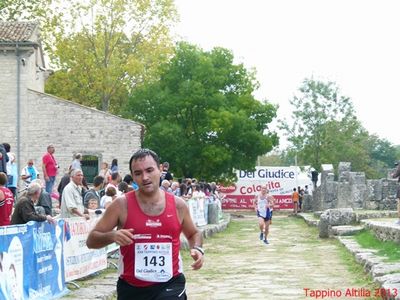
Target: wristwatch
(201, 250)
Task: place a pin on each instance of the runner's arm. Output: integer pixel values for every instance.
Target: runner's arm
(191, 233)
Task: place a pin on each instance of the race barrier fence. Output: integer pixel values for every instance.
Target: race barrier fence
(38, 259)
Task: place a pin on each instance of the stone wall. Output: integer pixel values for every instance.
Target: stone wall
(351, 190)
(75, 128)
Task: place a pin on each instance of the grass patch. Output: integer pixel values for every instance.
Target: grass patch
(388, 249)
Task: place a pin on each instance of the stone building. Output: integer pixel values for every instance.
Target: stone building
(31, 119)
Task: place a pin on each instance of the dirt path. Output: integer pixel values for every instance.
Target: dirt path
(240, 266)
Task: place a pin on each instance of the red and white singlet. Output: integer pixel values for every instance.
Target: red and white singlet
(154, 256)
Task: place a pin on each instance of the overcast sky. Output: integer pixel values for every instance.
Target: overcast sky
(354, 43)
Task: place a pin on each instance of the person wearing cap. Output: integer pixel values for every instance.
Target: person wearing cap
(396, 174)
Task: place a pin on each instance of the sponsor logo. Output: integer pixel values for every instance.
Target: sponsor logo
(164, 236)
(227, 189)
(152, 223)
(142, 236)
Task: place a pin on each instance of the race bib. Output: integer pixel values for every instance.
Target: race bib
(153, 261)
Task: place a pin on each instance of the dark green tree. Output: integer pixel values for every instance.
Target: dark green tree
(201, 115)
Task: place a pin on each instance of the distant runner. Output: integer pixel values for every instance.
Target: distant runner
(263, 205)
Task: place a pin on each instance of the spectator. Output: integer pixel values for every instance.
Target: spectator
(183, 190)
(165, 174)
(198, 193)
(314, 177)
(306, 191)
(6, 201)
(76, 163)
(3, 159)
(72, 202)
(94, 192)
(295, 199)
(123, 187)
(115, 180)
(63, 183)
(165, 186)
(176, 189)
(25, 208)
(29, 173)
(301, 194)
(50, 168)
(45, 202)
(93, 204)
(12, 172)
(111, 194)
(129, 180)
(114, 166)
(105, 172)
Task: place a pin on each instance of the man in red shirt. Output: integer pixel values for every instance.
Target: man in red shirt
(149, 223)
(6, 201)
(50, 168)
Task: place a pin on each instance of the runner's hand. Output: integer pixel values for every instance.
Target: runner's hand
(124, 237)
(198, 259)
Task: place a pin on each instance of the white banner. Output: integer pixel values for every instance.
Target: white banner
(80, 261)
(279, 180)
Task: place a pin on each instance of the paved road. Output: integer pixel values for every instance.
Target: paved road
(240, 266)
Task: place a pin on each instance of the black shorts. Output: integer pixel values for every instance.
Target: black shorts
(174, 289)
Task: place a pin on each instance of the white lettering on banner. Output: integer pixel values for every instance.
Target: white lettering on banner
(42, 241)
(79, 260)
(265, 173)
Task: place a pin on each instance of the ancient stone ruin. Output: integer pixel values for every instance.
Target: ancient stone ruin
(351, 190)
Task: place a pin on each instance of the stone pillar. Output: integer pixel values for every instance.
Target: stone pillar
(213, 213)
(307, 203)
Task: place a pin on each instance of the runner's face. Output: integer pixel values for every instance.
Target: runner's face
(146, 174)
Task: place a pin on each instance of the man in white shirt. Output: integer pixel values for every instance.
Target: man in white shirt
(72, 202)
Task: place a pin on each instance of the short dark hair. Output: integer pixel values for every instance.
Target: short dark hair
(123, 187)
(98, 180)
(3, 178)
(141, 153)
(7, 147)
(111, 191)
(114, 176)
(128, 179)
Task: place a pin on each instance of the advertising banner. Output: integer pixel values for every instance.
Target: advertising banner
(279, 180)
(31, 264)
(80, 261)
